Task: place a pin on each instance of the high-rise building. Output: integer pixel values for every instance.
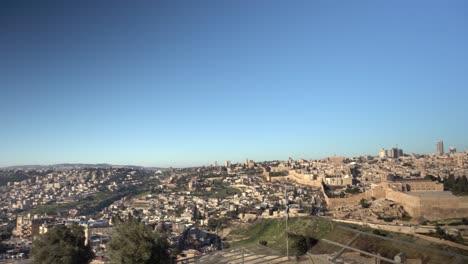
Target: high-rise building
(394, 153)
(400, 153)
(383, 153)
(228, 164)
(440, 148)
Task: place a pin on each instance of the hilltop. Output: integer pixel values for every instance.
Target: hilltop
(68, 166)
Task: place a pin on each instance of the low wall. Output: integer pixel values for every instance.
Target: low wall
(410, 230)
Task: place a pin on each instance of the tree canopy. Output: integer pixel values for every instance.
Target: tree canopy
(458, 186)
(135, 243)
(61, 245)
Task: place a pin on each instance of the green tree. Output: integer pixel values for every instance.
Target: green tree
(463, 184)
(449, 182)
(61, 245)
(133, 242)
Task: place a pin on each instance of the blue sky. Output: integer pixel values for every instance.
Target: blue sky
(180, 83)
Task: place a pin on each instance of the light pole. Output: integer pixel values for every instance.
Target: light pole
(287, 218)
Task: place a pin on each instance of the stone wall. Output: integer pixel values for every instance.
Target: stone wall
(444, 208)
(352, 200)
(305, 179)
(431, 208)
(410, 203)
(278, 178)
(308, 179)
(339, 181)
(377, 191)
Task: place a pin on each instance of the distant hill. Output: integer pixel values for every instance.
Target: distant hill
(68, 166)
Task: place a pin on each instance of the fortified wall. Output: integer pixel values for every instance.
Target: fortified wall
(420, 198)
(425, 198)
(305, 179)
(431, 205)
(410, 203)
(317, 181)
(338, 202)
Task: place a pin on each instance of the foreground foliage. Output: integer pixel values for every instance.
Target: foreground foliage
(135, 243)
(61, 245)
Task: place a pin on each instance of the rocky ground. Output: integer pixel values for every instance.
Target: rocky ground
(379, 210)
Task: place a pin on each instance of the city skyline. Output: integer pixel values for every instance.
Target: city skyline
(185, 84)
(239, 161)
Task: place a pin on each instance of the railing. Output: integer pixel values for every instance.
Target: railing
(250, 255)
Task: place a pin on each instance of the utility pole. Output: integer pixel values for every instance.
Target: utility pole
(287, 216)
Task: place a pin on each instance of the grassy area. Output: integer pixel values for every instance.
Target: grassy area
(86, 204)
(54, 208)
(218, 190)
(273, 232)
(223, 192)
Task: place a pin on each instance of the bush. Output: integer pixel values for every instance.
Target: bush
(379, 232)
(302, 244)
(388, 219)
(364, 203)
(406, 217)
(465, 221)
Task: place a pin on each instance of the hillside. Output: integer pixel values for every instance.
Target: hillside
(319, 231)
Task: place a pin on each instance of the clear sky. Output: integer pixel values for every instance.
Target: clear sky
(161, 83)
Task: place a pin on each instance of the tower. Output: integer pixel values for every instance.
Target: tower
(394, 152)
(400, 153)
(440, 148)
(383, 153)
